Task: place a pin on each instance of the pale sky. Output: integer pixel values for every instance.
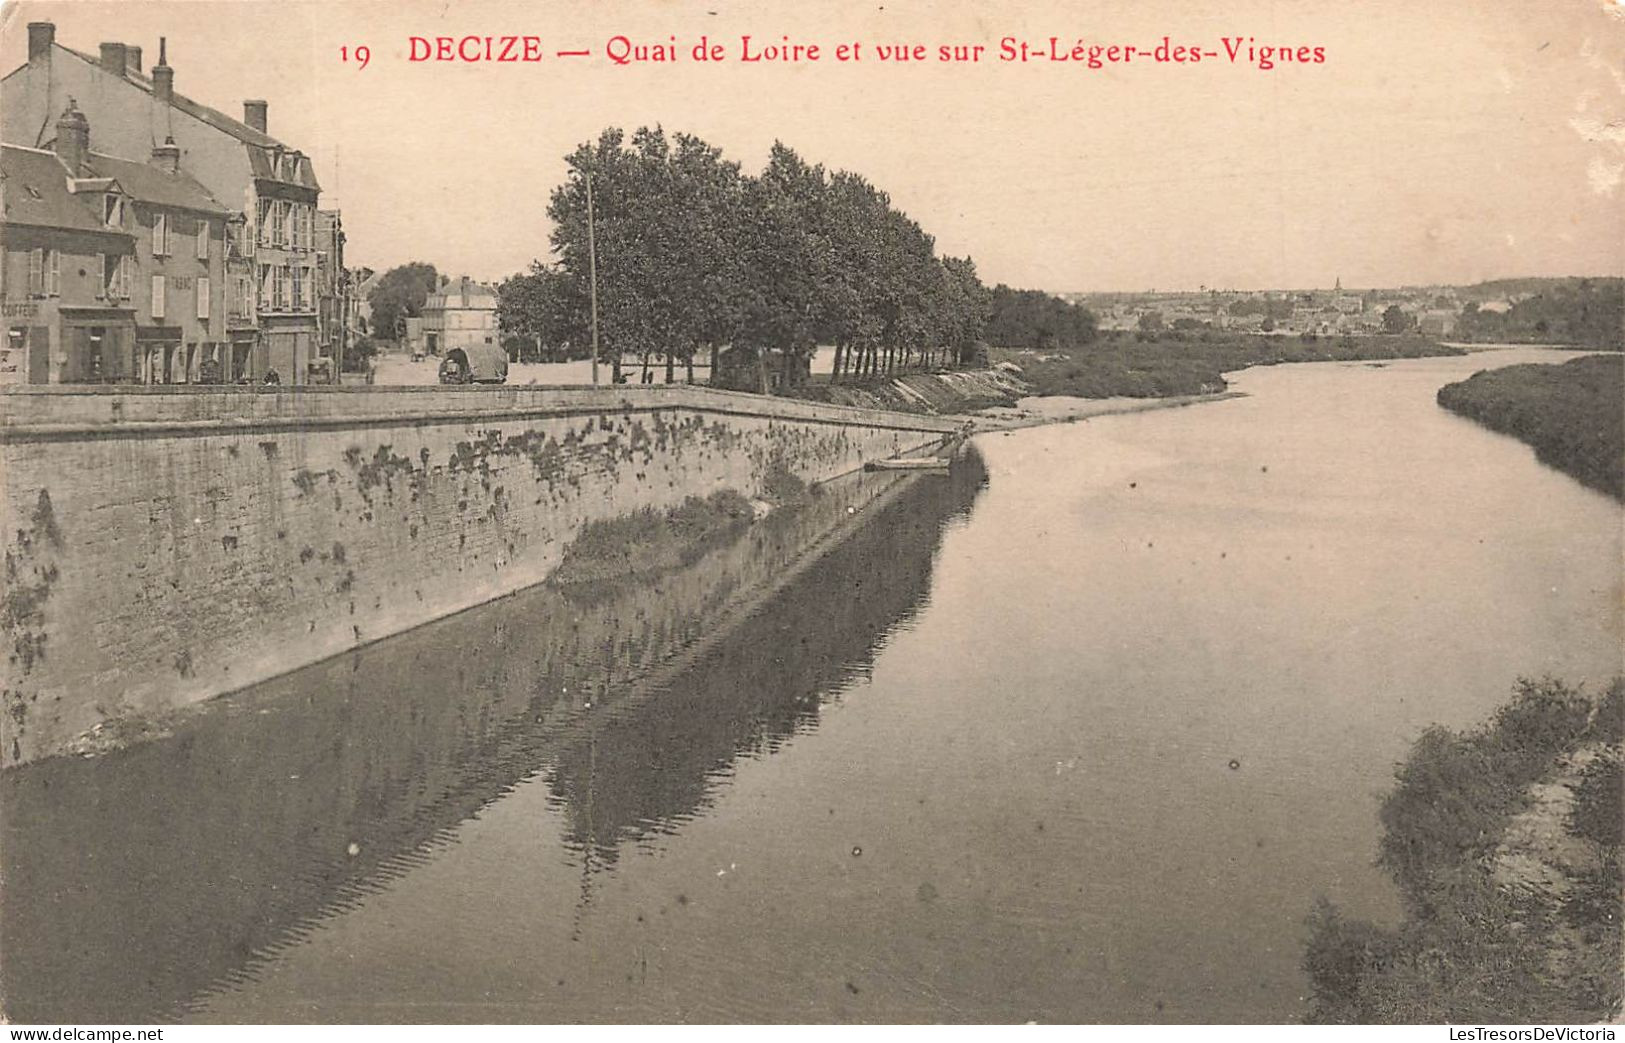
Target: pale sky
(1438, 142)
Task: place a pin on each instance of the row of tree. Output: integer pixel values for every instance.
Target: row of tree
(694, 256)
(1038, 320)
(1588, 312)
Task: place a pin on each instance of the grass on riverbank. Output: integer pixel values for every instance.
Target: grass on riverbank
(649, 542)
(1505, 844)
(1572, 414)
(1190, 363)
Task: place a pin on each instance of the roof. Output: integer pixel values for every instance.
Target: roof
(34, 191)
(260, 143)
(461, 293)
(149, 184)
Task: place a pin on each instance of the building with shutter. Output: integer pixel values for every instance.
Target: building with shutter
(460, 314)
(148, 310)
(272, 257)
(67, 277)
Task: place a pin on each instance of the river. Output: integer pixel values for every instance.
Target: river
(1078, 734)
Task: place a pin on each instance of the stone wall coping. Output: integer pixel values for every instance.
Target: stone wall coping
(55, 412)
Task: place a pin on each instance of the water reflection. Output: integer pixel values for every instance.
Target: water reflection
(139, 881)
(762, 683)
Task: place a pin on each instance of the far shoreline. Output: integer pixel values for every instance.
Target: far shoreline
(1070, 409)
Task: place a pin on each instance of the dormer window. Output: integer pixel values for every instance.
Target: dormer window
(113, 210)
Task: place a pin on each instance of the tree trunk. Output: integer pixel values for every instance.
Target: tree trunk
(715, 350)
(835, 367)
(670, 372)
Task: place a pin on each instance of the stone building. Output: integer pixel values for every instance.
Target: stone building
(271, 185)
(332, 293)
(66, 279)
(118, 266)
(460, 314)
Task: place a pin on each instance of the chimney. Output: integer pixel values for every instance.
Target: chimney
(163, 77)
(73, 139)
(41, 35)
(254, 113)
(167, 156)
(113, 59)
(132, 57)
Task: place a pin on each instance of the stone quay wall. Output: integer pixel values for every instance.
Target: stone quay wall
(166, 545)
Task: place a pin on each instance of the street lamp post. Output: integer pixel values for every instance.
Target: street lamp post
(592, 276)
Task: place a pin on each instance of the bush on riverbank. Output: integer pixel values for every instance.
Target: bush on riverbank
(1511, 883)
(1176, 363)
(648, 542)
(1573, 414)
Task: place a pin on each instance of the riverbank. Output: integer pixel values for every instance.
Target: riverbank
(1116, 370)
(1190, 364)
(1573, 414)
(963, 391)
(1505, 843)
(1062, 409)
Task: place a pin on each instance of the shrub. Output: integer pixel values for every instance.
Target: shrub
(781, 485)
(1341, 957)
(1598, 814)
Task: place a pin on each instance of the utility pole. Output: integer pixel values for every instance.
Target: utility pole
(592, 277)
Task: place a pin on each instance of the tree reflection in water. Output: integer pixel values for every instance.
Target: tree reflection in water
(136, 882)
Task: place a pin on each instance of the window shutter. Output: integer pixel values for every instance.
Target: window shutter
(203, 240)
(54, 289)
(157, 296)
(203, 297)
(36, 272)
(126, 276)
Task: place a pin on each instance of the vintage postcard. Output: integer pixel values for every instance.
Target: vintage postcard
(697, 512)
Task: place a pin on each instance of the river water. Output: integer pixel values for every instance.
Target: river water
(1078, 734)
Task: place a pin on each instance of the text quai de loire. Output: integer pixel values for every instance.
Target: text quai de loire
(624, 50)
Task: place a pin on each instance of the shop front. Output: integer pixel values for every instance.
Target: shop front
(47, 344)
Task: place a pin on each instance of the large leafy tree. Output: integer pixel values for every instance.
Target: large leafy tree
(400, 295)
(692, 255)
(783, 243)
(1034, 319)
(968, 304)
(546, 310)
